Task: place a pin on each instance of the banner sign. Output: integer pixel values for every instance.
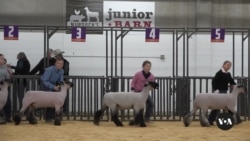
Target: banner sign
(217, 34)
(78, 34)
(10, 32)
(152, 34)
(129, 14)
(85, 13)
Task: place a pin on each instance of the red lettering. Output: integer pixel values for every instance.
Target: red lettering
(127, 24)
(137, 24)
(118, 23)
(147, 23)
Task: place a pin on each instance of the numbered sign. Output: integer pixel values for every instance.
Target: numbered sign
(217, 34)
(78, 34)
(152, 34)
(10, 32)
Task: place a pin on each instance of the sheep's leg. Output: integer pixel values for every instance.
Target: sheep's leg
(141, 119)
(97, 116)
(2, 120)
(138, 119)
(203, 118)
(115, 118)
(236, 117)
(18, 116)
(57, 120)
(31, 115)
(188, 117)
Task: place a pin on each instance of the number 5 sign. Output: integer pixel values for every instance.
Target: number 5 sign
(78, 34)
(217, 34)
(152, 34)
(10, 32)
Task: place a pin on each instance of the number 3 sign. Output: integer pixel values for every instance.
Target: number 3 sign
(78, 34)
(10, 32)
(217, 34)
(152, 34)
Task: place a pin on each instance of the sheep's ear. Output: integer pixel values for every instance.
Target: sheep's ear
(61, 83)
(240, 86)
(154, 84)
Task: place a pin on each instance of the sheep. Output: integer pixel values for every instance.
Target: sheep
(205, 101)
(91, 14)
(43, 99)
(3, 98)
(126, 100)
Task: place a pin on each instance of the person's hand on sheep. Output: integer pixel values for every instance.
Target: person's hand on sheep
(56, 88)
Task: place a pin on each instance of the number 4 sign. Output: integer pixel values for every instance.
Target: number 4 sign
(152, 34)
(78, 34)
(10, 32)
(217, 34)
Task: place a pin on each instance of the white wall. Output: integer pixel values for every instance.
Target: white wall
(88, 58)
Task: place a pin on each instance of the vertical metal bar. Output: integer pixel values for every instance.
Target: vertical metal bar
(174, 44)
(248, 84)
(81, 97)
(187, 54)
(177, 55)
(116, 52)
(233, 51)
(122, 52)
(107, 53)
(184, 52)
(45, 64)
(242, 54)
(111, 53)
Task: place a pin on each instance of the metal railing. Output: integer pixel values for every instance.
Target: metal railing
(172, 100)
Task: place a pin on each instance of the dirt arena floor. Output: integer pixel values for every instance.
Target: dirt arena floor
(155, 131)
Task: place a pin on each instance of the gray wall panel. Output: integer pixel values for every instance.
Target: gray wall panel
(32, 12)
(169, 13)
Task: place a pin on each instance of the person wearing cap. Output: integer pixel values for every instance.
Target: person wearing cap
(59, 53)
(40, 67)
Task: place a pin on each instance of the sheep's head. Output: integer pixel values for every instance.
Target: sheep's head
(241, 88)
(67, 82)
(153, 84)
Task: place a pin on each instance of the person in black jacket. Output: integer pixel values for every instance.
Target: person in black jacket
(22, 68)
(40, 67)
(220, 84)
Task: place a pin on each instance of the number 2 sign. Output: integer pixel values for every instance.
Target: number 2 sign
(78, 34)
(217, 34)
(10, 32)
(152, 34)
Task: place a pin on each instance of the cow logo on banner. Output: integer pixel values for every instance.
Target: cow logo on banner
(129, 14)
(85, 13)
(78, 34)
(152, 34)
(10, 32)
(217, 34)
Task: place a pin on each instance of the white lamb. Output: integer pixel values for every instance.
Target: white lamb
(125, 100)
(205, 101)
(3, 98)
(42, 99)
